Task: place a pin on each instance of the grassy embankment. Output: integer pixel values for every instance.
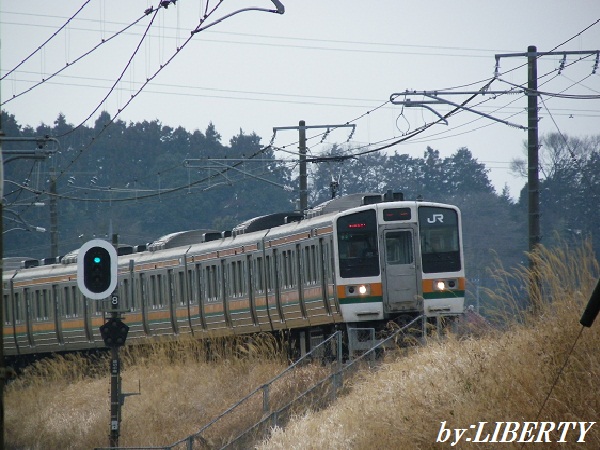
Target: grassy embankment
(502, 376)
(498, 376)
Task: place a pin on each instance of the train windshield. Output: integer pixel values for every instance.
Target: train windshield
(357, 245)
(440, 247)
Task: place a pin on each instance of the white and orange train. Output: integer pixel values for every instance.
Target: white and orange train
(358, 261)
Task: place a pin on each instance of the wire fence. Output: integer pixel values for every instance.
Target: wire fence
(275, 402)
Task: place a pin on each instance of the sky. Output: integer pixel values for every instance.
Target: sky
(324, 62)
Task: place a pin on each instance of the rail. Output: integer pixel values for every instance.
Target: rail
(320, 394)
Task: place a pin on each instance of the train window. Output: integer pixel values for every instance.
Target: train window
(76, 298)
(288, 268)
(68, 309)
(191, 291)
(38, 305)
(311, 267)
(7, 310)
(133, 299)
(440, 248)
(259, 272)
(284, 269)
(307, 266)
(181, 295)
(238, 279)
(234, 290)
(125, 300)
(242, 281)
(212, 293)
(171, 294)
(198, 288)
(46, 299)
(395, 214)
(269, 273)
(232, 287)
(160, 290)
(18, 308)
(357, 244)
(399, 247)
(315, 264)
(143, 293)
(207, 283)
(152, 291)
(56, 300)
(326, 261)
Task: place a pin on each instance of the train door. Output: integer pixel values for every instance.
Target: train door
(172, 296)
(201, 294)
(400, 280)
(58, 314)
(29, 316)
(277, 286)
(251, 296)
(224, 283)
(143, 296)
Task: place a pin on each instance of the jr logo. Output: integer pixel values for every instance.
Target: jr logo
(436, 218)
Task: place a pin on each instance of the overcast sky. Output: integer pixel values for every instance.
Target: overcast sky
(325, 62)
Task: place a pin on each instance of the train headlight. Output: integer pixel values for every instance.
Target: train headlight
(445, 285)
(358, 290)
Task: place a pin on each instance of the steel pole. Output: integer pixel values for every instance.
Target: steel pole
(303, 180)
(533, 187)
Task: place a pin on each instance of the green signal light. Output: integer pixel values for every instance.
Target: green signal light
(97, 259)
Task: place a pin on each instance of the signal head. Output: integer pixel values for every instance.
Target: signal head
(97, 269)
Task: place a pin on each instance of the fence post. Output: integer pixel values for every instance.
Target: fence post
(266, 408)
(338, 376)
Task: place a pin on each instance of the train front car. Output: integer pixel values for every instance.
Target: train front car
(442, 265)
(397, 260)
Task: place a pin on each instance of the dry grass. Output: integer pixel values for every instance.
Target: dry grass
(63, 402)
(500, 376)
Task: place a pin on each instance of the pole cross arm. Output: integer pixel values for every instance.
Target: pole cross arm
(280, 9)
(436, 100)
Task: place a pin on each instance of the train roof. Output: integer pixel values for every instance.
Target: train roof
(266, 222)
(245, 232)
(182, 238)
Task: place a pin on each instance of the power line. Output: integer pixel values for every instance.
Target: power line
(307, 40)
(46, 41)
(68, 64)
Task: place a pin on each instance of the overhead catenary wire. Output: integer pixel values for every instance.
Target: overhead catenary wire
(412, 136)
(71, 64)
(41, 46)
(134, 95)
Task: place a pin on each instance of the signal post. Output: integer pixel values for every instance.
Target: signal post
(97, 280)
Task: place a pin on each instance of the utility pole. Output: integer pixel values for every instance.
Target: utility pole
(532, 56)
(533, 179)
(19, 154)
(302, 160)
(53, 214)
(533, 182)
(302, 127)
(2, 366)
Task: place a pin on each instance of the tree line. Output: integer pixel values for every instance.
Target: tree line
(130, 179)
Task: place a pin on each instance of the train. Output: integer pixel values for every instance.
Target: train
(357, 262)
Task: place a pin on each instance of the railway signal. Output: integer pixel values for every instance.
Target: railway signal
(97, 269)
(114, 332)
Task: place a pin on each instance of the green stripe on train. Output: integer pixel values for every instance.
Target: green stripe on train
(353, 300)
(443, 294)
